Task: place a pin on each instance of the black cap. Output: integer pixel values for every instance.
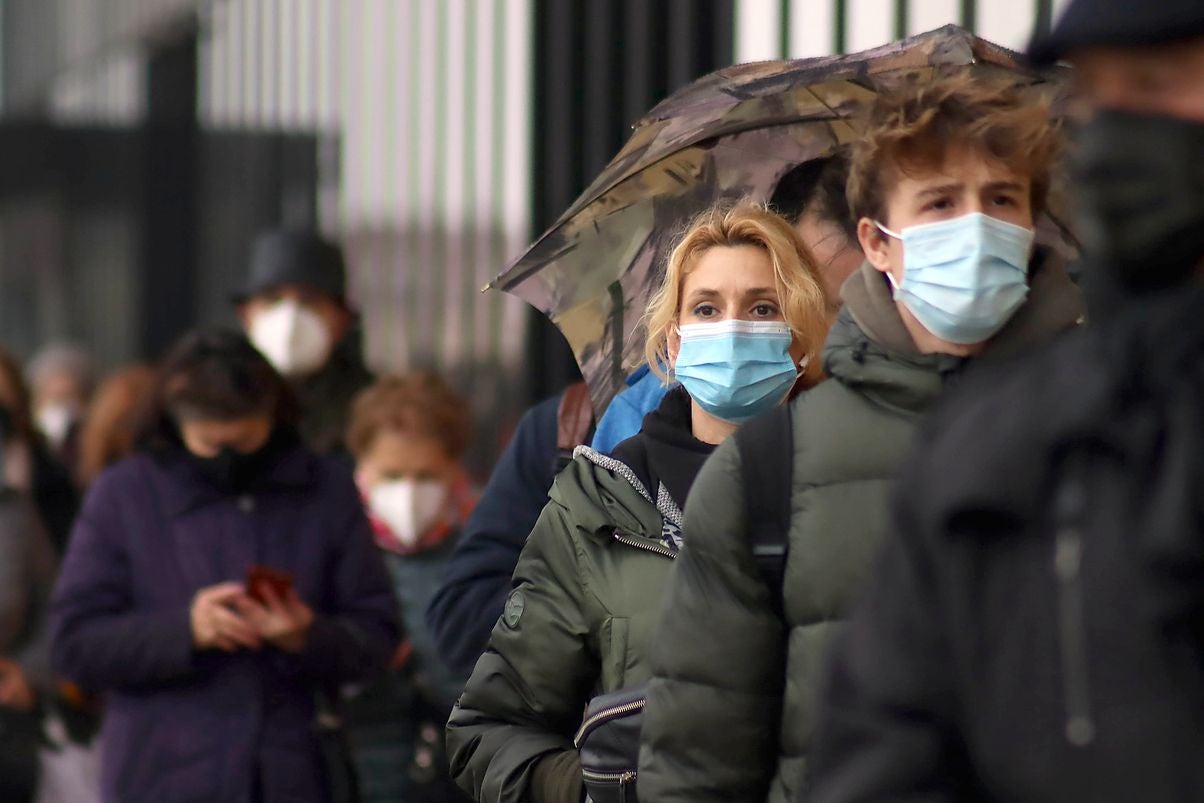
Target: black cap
(1117, 22)
(284, 256)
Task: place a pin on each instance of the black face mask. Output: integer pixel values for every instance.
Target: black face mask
(1140, 183)
(6, 425)
(230, 470)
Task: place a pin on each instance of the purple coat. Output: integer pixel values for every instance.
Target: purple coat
(184, 725)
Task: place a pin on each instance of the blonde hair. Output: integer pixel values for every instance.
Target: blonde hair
(801, 295)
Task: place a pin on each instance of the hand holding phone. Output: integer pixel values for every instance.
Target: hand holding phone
(271, 605)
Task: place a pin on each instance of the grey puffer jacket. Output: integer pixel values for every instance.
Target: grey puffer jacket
(730, 707)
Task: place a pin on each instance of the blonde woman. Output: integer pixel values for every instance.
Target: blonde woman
(740, 321)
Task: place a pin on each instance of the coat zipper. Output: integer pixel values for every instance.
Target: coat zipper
(606, 713)
(640, 544)
(1068, 565)
(621, 778)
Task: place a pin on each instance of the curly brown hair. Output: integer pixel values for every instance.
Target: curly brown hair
(912, 128)
(420, 403)
(110, 425)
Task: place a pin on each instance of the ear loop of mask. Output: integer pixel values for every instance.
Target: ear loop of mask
(890, 276)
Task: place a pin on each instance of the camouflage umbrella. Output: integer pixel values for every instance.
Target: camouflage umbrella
(733, 133)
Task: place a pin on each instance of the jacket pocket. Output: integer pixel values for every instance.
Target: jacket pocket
(614, 638)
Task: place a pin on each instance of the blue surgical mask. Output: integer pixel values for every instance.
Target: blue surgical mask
(963, 278)
(736, 369)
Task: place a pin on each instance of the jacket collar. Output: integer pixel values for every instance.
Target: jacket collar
(183, 490)
(870, 350)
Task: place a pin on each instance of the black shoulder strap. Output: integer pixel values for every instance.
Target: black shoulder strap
(766, 446)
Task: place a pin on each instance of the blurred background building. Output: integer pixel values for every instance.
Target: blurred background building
(143, 142)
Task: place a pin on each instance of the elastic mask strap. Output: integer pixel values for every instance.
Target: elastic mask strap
(887, 231)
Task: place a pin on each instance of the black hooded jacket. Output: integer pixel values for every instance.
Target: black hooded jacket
(1036, 630)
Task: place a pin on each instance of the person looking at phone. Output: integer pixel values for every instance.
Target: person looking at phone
(213, 682)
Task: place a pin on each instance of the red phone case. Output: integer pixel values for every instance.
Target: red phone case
(260, 576)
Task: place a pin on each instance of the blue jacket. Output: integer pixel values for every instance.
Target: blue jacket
(477, 577)
(184, 725)
(625, 415)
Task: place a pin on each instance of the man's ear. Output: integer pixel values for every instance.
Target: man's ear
(874, 244)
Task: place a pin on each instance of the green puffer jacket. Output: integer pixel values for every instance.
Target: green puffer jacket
(731, 705)
(587, 592)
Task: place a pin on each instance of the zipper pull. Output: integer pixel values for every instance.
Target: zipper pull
(1072, 627)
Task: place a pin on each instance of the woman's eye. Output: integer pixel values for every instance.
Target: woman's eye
(765, 310)
(1004, 200)
(939, 205)
(705, 311)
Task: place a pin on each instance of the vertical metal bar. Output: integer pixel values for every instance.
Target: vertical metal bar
(902, 14)
(1044, 16)
(639, 73)
(969, 15)
(686, 42)
(723, 43)
(600, 93)
(840, 33)
(784, 31)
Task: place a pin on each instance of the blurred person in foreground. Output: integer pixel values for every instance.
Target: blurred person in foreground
(212, 679)
(1036, 628)
(811, 198)
(294, 309)
(408, 435)
(946, 184)
(110, 424)
(739, 318)
(60, 382)
(26, 462)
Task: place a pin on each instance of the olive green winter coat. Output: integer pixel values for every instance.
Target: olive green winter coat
(730, 709)
(578, 624)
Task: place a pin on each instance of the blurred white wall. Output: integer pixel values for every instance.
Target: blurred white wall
(775, 29)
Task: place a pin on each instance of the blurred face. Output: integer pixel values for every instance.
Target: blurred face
(333, 314)
(394, 455)
(60, 388)
(207, 437)
(730, 283)
(836, 256)
(1166, 79)
(1140, 203)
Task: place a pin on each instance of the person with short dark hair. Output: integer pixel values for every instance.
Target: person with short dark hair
(1035, 629)
(294, 309)
(216, 583)
(811, 196)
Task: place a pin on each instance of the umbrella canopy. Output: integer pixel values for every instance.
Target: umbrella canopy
(731, 134)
